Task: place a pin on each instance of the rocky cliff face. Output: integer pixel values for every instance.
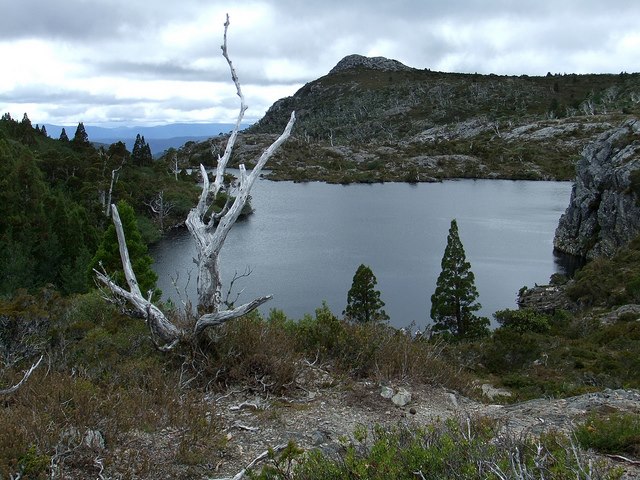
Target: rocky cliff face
(604, 210)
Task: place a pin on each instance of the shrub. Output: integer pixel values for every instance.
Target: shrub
(617, 433)
(451, 449)
(525, 320)
(510, 350)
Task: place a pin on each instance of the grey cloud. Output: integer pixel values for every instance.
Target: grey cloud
(90, 20)
(176, 70)
(41, 94)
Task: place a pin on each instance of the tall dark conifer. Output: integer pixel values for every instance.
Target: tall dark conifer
(63, 136)
(454, 302)
(81, 136)
(141, 153)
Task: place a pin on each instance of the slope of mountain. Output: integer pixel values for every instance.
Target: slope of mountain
(375, 119)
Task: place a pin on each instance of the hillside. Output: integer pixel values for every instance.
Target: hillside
(374, 119)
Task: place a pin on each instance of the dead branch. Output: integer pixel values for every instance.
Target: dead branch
(620, 458)
(236, 277)
(26, 376)
(240, 475)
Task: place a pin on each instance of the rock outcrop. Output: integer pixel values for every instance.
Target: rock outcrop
(547, 299)
(372, 63)
(604, 210)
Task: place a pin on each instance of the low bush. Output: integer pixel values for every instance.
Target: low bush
(524, 320)
(616, 433)
(467, 449)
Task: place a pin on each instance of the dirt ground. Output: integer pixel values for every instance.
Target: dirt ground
(319, 413)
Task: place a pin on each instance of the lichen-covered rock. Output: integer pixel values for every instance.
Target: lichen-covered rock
(401, 398)
(546, 299)
(604, 210)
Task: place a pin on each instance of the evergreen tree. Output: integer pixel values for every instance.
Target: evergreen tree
(141, 153)
(27, 132)
(81, 137)
(63, 136)
(25, 121)
(363, 300)
(147, 157)
(108, 253)
(454, 302)
(43, 131)
(136, 153)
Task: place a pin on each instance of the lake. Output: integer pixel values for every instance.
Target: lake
(305, 241)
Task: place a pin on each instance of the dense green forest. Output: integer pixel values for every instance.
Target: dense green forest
(54, 196)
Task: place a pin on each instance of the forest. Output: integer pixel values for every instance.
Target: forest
(55, 196)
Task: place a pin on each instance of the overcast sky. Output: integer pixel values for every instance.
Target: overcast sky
(141, 62)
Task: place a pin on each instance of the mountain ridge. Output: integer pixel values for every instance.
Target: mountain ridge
(375, 119)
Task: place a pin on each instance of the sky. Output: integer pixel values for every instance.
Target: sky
(142, 63)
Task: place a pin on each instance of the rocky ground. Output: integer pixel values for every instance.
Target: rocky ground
(323, 411)
(323, 416)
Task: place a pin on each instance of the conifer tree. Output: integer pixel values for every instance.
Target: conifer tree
(454, 302)
(108, 255)
(135, 152)
(63, 136)
(147, 157)
(363, 300)
(81, 137)
(141, 153)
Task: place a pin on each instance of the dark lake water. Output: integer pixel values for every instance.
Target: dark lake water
(306, 240)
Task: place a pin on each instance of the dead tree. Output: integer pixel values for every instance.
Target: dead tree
(160, 207)
(209, 231)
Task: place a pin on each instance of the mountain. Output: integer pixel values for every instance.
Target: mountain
(375, 119)
(160, 137)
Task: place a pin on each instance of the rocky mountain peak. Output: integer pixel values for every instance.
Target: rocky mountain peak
(375, 63)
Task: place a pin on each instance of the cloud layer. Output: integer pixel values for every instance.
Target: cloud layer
(134, 62)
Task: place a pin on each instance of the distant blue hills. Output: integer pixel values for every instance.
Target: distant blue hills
(159, 138)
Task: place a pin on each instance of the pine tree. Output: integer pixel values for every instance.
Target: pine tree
(147, 157)
(363, 300)
(63, 136)
(81, 137)
(136, 153)
(454, 302)
(108, 254)
(141, 153)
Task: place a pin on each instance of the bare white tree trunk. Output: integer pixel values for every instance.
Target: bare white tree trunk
(209, 231)
(114, 180)
(26, 376)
